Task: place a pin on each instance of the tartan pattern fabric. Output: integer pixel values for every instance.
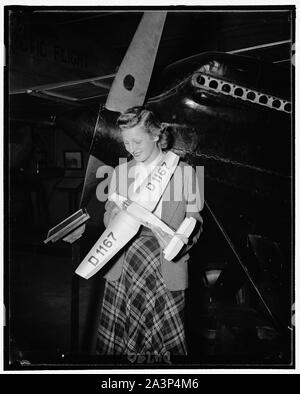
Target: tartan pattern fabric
(139, 314)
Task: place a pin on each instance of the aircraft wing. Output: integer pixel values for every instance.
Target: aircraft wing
(122, 228)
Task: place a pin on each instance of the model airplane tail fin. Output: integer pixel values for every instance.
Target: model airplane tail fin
(177, 242)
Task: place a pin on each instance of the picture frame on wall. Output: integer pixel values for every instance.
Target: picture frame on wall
(73, 160)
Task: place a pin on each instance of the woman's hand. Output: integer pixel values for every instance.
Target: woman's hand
(162, 237)
(111, 211)
(126, 204)
(114, 213)
(75, 234)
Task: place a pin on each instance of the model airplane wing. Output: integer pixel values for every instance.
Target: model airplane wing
(149, 193)
(122, 228)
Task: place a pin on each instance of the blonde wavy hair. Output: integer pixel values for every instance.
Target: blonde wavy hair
(140, 116)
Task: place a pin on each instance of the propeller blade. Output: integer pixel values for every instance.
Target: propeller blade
(130, 85)
(128, 89)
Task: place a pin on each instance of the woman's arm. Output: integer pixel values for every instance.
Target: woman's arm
(111, 210)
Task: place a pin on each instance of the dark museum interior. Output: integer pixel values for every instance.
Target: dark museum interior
(60, 67)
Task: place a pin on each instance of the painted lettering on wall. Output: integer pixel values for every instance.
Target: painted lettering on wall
(45, 50)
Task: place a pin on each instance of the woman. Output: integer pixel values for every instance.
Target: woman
(143, 305)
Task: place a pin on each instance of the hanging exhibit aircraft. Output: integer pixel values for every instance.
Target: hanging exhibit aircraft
(230, 110)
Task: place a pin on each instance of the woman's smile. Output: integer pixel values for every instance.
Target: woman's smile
(140, 144)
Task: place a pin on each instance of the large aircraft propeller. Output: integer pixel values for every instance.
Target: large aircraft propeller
(129, 87)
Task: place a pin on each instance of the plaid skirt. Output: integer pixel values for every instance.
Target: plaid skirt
(139, 314)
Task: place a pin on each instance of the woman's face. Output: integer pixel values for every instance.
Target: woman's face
(140, 144)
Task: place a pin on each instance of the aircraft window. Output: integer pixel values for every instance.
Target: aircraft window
(251, 96)
(238, 92)
(226, 88)
(276, 103)
(263, 99)
(201, 80)
(213, 84)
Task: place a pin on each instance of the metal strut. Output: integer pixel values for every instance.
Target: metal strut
(277, 324)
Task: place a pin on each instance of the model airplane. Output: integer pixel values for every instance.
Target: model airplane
(136, 212)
